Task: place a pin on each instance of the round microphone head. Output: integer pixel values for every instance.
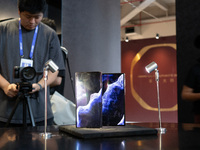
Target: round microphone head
(64, 50)
(150, 67)
(52, 66)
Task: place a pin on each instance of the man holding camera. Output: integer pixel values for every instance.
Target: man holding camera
(27, 42)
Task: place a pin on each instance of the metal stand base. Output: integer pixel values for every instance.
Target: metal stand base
(46, 135)
(161, 130)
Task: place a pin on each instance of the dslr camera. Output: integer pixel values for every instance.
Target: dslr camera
(25, 74)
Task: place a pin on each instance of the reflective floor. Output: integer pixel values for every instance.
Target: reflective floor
(177, 137)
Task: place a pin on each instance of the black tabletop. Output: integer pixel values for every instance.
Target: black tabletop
(177, 137)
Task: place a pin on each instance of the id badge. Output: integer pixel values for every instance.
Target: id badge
(26, 63)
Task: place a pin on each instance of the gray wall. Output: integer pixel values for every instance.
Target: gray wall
(8, 9)
(91, 34)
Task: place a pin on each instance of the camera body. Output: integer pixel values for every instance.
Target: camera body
(25, 74)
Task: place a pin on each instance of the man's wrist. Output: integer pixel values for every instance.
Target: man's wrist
(39, 85)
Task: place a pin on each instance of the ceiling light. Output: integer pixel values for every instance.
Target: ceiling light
(127, 40)
(157, 36)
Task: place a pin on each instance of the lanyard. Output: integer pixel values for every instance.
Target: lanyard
(33, 42)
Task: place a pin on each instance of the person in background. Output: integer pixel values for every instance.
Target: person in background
(27, 42)
(191, 87)
(58, 84)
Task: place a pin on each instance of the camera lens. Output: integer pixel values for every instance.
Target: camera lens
(28, 73)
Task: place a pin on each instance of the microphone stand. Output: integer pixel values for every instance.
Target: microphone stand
(160, 129)
(53, 68)
(46, 134)
(71, 79)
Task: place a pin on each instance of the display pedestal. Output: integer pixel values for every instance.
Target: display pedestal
(107, 131)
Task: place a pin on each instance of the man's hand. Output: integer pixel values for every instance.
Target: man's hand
(11, 90)
(35, 87)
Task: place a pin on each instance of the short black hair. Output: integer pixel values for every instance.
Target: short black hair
(32, 6)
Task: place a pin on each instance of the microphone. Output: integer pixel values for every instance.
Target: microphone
(51, 65)
(68, 66)
(64, 50)
(151, 67)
